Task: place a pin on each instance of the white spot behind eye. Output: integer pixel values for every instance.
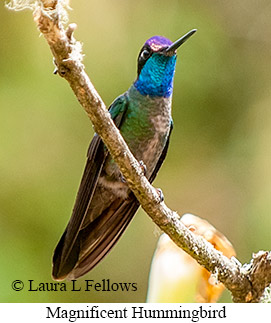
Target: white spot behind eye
(145, 54)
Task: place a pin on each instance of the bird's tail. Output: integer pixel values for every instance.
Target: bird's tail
(94, 241)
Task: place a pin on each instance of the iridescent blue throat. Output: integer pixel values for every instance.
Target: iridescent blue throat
(156, 76)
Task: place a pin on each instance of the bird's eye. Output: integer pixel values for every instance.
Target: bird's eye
(145, 54)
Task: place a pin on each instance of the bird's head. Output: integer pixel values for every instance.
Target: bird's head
(156, 65)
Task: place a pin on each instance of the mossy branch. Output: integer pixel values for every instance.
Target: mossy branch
(246, 283)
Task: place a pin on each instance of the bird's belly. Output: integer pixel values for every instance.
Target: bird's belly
(116, 185)
(148, 152)
(151, 154)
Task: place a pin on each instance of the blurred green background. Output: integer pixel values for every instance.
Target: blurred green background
(218, 165)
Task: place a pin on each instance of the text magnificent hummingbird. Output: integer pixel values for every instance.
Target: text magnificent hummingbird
(104, 204)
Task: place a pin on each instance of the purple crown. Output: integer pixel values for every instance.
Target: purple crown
(158, 42)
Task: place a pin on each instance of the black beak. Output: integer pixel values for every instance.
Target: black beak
(180, 41)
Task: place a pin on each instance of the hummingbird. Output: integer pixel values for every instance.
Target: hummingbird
(105, 205)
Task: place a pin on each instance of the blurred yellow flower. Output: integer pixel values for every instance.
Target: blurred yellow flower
(177, 277)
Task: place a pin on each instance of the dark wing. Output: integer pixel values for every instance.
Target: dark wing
(162, 157)
(68, 248)
(102, 234)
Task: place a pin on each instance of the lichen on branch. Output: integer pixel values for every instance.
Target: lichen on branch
(50, 8)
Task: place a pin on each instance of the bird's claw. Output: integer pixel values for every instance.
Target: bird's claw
(143, 167)
(161, 195)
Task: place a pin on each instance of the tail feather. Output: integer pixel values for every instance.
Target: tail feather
(94, 241)
(96, 247)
